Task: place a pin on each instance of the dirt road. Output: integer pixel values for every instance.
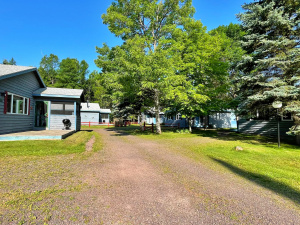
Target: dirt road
(142, 182)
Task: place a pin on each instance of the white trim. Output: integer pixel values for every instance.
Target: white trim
(17, 106)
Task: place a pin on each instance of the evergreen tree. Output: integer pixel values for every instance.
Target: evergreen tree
(48, 69)
(12, 61)
(71, 73)
(271, 69)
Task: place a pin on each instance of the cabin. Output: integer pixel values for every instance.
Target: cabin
(91, 112)
(27, 104)
(223, 119)
(266, 122)
(104, 115)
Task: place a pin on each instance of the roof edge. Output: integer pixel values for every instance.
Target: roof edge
(33, 69)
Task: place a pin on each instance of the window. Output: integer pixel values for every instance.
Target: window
(287, 116)
(104, 116)
(17, 104)
(62, 108)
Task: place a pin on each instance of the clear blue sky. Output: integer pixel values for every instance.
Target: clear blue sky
(73, 28)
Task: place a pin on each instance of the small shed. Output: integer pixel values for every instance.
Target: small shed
(91, 112)
(104, 115)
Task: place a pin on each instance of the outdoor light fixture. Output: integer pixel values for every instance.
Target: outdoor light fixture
(277, 105)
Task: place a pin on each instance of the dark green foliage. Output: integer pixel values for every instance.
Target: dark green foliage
(97, 91)
(271, 68)
(9, 62)
(48, 69)
(71, 74)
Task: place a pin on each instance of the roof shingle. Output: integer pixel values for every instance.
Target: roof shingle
(58, 92)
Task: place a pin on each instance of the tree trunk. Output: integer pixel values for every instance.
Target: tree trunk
(156, 109)
(190, 125)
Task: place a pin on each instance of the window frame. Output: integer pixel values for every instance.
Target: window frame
(25, 105)
(106, 116)
(63, 108)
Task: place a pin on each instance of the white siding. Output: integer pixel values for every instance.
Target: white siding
(57, 124)
(89, 117)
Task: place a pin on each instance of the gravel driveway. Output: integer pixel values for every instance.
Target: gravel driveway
(143, 182)
(133, 181)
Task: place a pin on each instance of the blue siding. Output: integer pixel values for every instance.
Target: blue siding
(22, 85)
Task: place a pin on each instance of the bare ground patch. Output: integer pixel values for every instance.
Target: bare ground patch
(89, 144)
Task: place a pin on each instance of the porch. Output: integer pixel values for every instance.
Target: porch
(37, 135)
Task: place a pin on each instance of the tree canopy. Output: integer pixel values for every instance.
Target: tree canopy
(271, 67)
(48, 69)
(167, 56)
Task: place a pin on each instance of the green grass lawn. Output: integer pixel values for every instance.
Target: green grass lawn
(93, 127)
(73, 144)
(261, 161)
(38, 179)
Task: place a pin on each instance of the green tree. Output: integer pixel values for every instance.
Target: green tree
(96, 90)
(271, 67)
(10, 62)
(71, 73)
(148, 60)
(48, 69)
(232, 36)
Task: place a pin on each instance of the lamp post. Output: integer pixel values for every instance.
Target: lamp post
(277, 105)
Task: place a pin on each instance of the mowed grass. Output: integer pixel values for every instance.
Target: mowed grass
(93, 127)
(39, 180)
(73, 144)
(261, 161)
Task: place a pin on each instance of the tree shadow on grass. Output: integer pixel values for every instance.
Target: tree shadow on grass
(264, 181)
(226, 135)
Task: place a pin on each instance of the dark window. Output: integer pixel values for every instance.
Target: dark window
(62, 108)
(9, 99)
(104, 116)
(287, 116)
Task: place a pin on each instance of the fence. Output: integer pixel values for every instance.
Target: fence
(96, 124)
(151, 126)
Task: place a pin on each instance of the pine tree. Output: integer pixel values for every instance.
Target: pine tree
(271, 69)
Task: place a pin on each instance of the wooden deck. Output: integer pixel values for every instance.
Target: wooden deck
(37, 135)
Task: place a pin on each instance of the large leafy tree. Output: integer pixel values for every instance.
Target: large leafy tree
(205, 69)
(231, 52)
(72, 73)
(271, 68)
(48, 69)
(148, 59)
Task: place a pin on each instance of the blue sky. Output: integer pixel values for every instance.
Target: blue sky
(72, 28)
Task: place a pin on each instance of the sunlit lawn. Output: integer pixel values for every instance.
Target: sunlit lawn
(261, 161)
(37, 178)
(73, 144)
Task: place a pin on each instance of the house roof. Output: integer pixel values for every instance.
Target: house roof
(90, 107)
(7, 71)
(93, 107)
(105, 111)
(58, 92)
